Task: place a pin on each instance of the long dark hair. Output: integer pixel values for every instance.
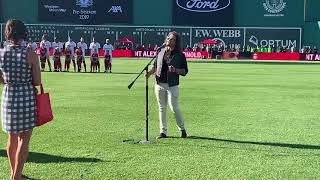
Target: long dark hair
(15, 30)
(178, 44)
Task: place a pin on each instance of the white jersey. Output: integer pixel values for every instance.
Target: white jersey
(94, 47)
(47, 45)
(108, 48)
(83, 47)
(56, 45)
(72, 45)
(32, 45)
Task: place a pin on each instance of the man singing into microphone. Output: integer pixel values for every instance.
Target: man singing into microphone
(169, 65)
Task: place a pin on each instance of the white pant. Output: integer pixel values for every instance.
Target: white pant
(166, 94)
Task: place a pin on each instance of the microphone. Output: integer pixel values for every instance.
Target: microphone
(161, 47)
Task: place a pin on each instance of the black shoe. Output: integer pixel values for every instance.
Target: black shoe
(183, 134)
(162, 135)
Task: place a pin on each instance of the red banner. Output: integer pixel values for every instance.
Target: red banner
(230, 55)
(145, 53)
(312, 57)
(118, 53)
(276, 56)
(196, 54)
(130, 53)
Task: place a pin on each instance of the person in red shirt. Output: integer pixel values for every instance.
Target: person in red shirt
(67, 54)
(43, 57)
(57, 60)
(107, 62)
(95, 64)
(80, 59)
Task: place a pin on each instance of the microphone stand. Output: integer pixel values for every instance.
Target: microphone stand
(146, 141)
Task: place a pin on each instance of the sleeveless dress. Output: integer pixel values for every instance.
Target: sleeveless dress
(18, 106)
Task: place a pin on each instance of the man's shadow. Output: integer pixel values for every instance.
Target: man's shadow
(36, 157)
(275, 144)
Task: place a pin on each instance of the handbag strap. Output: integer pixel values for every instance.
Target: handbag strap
(41, 89)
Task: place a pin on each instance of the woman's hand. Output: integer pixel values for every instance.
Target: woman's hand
(172, 69)
(35, 90)
(148, 74)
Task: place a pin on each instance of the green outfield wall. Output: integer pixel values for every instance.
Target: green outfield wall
(253, 13)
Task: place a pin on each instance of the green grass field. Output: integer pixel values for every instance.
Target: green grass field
(244, 121)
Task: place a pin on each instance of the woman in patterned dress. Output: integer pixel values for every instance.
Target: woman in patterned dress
(20, 72)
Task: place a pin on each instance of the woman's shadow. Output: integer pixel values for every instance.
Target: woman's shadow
(36, 157)
(47, 158)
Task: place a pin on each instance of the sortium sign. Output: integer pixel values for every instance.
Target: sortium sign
(274, 7)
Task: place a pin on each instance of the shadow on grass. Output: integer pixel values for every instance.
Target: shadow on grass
(123, 73)
(36, 157)
(286, 145)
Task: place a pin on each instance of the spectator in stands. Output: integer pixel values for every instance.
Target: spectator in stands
(155, 47)
(47, 46)
(150, 48)
(315, 50)
(169, 65)
(188, 48)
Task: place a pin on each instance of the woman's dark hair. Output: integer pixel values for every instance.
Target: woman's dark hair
(178, 44)
(15, 30)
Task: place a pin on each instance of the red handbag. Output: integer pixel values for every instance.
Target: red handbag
(44, 112)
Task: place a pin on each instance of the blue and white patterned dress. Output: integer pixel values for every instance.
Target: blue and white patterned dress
(18, 107)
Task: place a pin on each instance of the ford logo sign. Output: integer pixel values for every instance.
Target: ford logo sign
(203, 5)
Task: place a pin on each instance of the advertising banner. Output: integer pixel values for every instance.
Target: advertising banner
(188, 54)
(274, 13)
(312, 57)
(154, 35)
(85, 11)
(274, 37)
(139, 35)
(227, 37)
(203, 12)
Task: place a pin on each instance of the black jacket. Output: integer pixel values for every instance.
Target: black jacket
(177, 60)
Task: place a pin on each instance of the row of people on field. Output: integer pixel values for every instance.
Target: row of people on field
(74, 52)
(76, 60)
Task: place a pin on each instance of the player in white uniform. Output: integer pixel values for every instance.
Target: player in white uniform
(94, 47)
(83, 46)
(47, 45)
(32, 45)
(107, 48)
(56, 44)
(72, 46)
